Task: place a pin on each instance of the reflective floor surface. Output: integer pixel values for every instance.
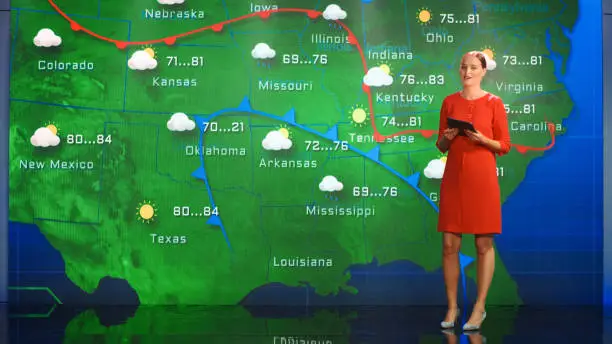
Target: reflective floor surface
(293, 325)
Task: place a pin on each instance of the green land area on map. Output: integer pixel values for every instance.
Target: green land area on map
(116, 196)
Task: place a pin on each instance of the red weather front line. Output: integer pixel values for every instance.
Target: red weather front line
(312, 14)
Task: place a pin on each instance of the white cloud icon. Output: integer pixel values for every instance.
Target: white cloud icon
(170, 2)
(491, 64)
(377, 77)
(47, 38)
(44, 137)
(334, 12)
(263, 51)
(435, 169)
(276, 141)
(330, 184)
(180, 122)
(141, 60)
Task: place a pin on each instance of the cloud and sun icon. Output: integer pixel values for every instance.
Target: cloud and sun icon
(144, 59)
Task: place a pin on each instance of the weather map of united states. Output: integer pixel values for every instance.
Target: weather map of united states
(282, 143)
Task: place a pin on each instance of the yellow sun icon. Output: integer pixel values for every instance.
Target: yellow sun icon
(147, 211)
(424, 15)
(284, 130)
(386, 67)
(442, 158)
(489, 52)
(359, 116)
(150, 51)
(53, 127)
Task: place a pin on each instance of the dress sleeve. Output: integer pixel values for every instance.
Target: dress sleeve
(442, 125)
(500, 127)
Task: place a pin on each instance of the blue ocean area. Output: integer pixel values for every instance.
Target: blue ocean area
(552, 227)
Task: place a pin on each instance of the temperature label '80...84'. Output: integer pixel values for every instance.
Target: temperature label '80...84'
(80, 139)
(187, 211)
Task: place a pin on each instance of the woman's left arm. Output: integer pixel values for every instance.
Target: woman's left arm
(494, 145)
(500, 143)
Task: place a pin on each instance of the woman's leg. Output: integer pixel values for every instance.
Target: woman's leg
(485, 270)
(450, 266)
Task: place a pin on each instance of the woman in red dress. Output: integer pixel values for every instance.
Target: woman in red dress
(469, 194)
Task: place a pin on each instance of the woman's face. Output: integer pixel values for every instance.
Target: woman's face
(471, 70)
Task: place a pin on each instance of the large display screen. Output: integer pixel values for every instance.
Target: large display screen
(225, 152)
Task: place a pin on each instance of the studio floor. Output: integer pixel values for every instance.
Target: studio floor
(296, 325)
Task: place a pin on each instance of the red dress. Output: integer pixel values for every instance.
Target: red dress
(470, 201)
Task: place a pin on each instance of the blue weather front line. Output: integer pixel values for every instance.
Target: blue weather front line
(332, 135)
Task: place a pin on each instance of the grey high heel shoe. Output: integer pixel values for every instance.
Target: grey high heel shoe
(451, 324)
(475, 327)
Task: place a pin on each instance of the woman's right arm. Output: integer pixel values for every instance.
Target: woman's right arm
(442, 143)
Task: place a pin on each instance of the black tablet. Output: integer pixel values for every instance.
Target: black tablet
(461, 125)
